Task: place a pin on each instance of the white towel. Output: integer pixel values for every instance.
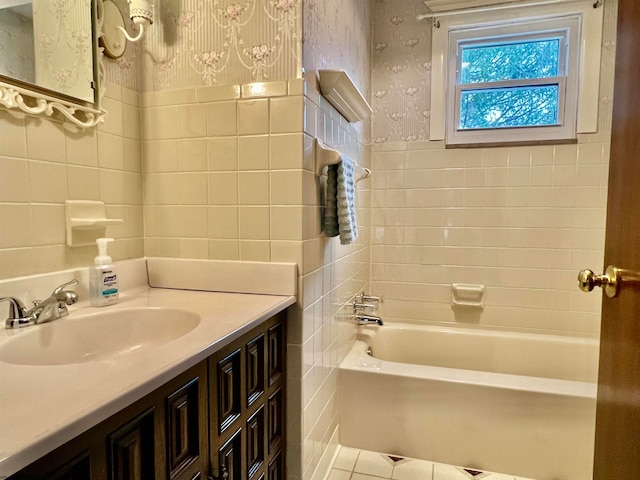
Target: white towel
(340, 210)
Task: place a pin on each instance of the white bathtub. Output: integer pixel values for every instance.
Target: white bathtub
(522, 404)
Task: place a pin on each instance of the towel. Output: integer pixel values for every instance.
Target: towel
(340, 209)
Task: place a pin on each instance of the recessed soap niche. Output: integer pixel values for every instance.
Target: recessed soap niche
(86, 221)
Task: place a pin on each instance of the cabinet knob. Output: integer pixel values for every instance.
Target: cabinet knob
(224, 476)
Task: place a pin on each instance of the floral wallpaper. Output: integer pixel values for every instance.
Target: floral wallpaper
(125, 71)
(337, 35)
(214, 42)
(401, 72)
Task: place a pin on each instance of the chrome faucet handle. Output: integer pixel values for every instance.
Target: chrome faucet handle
(61, 288)
(18, 314)
(364, 298)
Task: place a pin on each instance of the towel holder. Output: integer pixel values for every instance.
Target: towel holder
(325, 156)
(330, 156)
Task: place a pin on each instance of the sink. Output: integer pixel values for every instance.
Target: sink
(97, 336)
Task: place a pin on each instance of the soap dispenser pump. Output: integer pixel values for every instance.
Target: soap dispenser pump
(103, 279)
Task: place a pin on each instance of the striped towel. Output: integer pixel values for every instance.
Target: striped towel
(340, 211)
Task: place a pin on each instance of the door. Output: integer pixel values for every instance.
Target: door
(617, 443)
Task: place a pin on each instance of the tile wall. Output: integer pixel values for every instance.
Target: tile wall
(229, 173)
(43, 163)
(520, 220)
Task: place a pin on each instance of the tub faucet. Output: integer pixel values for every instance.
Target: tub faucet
(369, 319)
(44, 311)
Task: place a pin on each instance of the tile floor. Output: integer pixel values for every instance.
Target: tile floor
(354, 464)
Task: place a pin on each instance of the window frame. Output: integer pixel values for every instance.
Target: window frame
(568, 29)
(589, 39)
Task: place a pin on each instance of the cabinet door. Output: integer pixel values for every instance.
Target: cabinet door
(277, 348)
(276, 468)
(131, 449)
(230, 458)
(254, 362)
(255, 442)
(250, 431)
(186, 430)
(228, 380)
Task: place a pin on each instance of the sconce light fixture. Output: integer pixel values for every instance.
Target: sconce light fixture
(115, 36)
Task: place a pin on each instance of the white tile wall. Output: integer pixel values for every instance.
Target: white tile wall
(521, 221)
(42, 164)
(249, 192)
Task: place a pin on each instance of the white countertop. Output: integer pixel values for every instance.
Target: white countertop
(42, 407)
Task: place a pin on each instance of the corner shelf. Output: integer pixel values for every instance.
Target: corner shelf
(86, 221)
(341, 92)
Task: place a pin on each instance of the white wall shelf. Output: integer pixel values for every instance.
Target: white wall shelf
(86, 221)
(341, 92)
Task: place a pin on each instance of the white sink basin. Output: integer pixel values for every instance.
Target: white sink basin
(97, 336)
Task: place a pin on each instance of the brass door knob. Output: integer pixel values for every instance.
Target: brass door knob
(587, 281)
(611, 280)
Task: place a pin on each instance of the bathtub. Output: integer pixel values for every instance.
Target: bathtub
(515, 403)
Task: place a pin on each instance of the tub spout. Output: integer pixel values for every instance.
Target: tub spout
(369, 320)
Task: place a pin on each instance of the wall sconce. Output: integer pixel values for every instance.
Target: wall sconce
(115, 36)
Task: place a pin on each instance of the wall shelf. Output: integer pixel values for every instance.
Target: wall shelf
(86, 221)
(341, 92)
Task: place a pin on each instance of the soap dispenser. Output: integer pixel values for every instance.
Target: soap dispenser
(103, 279)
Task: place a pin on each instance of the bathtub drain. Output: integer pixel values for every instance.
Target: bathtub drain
(370, 351)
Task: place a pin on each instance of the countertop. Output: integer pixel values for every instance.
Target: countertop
(42, 407)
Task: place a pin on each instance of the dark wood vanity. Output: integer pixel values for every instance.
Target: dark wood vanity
(223, 418)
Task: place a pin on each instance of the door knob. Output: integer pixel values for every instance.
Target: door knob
(610, 280)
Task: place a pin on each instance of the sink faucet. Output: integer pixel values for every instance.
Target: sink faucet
(44, 311)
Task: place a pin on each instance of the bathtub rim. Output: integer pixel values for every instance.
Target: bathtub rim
(358, 360)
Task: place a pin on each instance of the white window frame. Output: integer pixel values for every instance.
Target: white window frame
(585, 38)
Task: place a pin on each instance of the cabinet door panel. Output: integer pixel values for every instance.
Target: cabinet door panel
(229, 381)
(183, 427)
(276, 352)
(230, 458)
(131, 449)
(276, 468)
(255, 369)
(275, 420)
(255, 442)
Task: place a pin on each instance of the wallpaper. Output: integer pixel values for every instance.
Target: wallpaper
(215, 42)
(337, 35)
(401, 71)
(125, 71)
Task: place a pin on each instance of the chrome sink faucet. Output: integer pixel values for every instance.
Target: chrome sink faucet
(43, 311)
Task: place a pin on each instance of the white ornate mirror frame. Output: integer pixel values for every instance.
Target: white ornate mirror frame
(37, 102)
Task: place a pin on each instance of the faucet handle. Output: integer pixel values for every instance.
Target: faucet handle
(63, 286)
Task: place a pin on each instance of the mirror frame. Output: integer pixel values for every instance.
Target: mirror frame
(36, 101)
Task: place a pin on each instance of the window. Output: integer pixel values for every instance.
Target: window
(527, 75)
(513, 83)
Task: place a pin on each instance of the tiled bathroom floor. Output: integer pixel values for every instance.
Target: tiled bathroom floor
(354, 464)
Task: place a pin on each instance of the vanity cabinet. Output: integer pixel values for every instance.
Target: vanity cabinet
(247, 417)
(221, 419)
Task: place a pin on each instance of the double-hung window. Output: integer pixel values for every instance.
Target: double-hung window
(513, 83)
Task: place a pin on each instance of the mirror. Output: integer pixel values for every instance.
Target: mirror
(49, 59)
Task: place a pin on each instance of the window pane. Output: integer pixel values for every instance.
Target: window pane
(512, 61)
(509, 107)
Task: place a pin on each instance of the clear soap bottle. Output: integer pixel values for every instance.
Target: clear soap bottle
(103, 278)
